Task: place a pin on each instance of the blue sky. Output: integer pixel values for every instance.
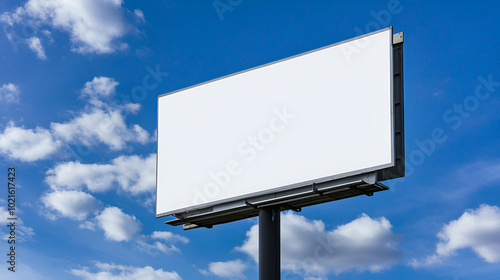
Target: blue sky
(79, 82)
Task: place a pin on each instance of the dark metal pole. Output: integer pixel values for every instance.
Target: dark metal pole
(269, 243)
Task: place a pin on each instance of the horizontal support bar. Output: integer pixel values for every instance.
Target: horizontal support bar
(305, 196)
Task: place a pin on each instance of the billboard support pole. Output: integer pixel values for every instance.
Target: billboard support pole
(269, 243)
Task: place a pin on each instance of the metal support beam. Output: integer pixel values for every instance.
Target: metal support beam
(269, 243)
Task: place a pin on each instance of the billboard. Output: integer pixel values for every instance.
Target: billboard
(313, 118)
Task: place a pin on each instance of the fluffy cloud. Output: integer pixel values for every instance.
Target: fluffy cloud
(27, 144)
(13, 17)
(251, 244)
(157, 246)
(363, 244)
(229, 269)
(76, 175)
(101, 126)
(22, 232)
(132, 174)
(90, 225)
(9, 93)
(112, 271)
(99, 122)
(36, 46)
(477, 229)
(139, 14)
(117, 225)
(102, 123)
(100, 87)
(95, 26)
(169, 236)
(48, 35)
(71, 204)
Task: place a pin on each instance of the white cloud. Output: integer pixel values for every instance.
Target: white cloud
(27, 144)
(71, 204)
(22, 232)
(102, 123)
(139, 14)
(100, 87)
(9, 93)
(229, 269)
(132, 174)
(90, 225)
(156, 247)
(36, 46)
(97, 123)
(95, 26)
(477, 229)
(117, 225)
(203, 271)
(111, 272)
(154, 138)
(75, 175)
(11, 18)
(251, 244)
(363, 244)
(48, 35)
(169, 236)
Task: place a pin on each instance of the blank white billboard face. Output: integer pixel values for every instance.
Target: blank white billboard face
(318, 116)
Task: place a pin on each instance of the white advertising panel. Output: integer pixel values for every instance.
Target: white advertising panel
(318, 116)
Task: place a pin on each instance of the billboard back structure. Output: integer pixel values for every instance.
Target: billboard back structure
(320, 126)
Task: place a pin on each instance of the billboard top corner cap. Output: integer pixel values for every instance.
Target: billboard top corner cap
(397, 38)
